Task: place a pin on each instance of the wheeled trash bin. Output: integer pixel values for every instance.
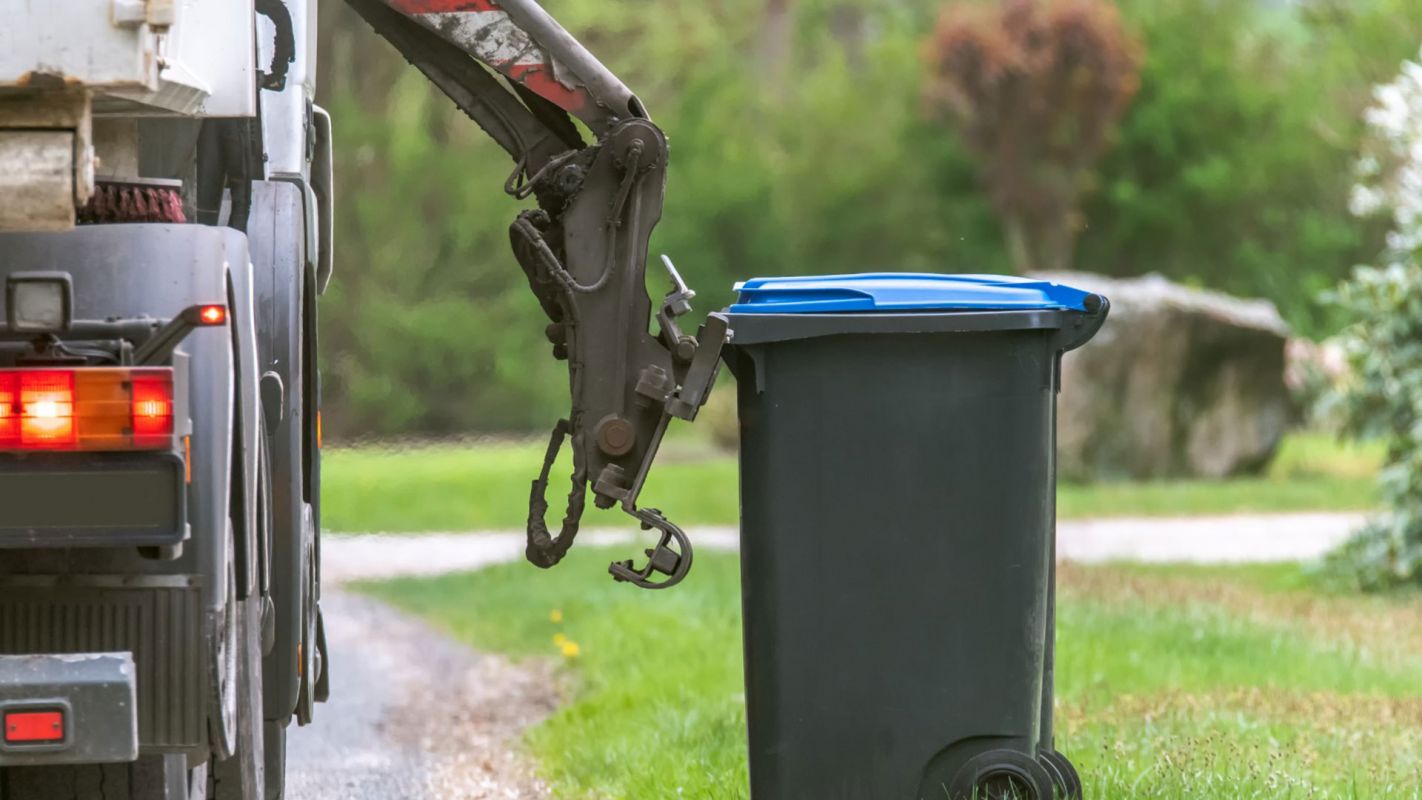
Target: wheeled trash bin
(898, 530)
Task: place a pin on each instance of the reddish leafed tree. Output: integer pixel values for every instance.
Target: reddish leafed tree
(1035, 88)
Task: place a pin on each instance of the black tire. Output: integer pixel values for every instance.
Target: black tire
(1064, 774)
(1002, 775)
(148, 778)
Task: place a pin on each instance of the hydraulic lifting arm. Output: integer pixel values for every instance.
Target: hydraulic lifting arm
(584, 249)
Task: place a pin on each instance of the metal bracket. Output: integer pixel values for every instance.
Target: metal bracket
(161, 345)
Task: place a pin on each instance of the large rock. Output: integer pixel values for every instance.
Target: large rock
(1179, 382)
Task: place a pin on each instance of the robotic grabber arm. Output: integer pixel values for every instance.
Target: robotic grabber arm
(584, 249)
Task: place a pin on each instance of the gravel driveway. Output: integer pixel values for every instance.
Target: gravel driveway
(414, 715)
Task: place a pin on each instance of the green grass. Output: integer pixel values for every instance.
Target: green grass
(1197, 683)
(484, 486)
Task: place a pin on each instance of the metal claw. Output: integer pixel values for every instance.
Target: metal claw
(675, 563)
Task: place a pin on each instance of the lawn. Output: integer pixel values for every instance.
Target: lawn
(1203, 682)
(484, 486)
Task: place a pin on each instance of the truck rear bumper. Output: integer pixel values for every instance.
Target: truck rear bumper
(68, 709)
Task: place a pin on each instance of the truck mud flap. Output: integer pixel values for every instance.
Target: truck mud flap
(159, 625)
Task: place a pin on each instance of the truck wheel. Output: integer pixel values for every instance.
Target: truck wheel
(241, 776)
(148, 778)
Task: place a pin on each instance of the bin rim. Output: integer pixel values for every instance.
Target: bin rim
(897, 292)
(1070, 328)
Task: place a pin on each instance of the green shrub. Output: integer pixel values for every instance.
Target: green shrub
(1383, 397)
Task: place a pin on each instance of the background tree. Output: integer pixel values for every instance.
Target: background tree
(1035, 89)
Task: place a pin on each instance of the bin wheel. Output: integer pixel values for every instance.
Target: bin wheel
(1064, 775)
(1002, 775)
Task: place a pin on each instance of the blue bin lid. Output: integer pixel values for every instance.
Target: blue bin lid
(902, 291)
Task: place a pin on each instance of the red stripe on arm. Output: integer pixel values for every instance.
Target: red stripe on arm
(442, 6)
(539, 78)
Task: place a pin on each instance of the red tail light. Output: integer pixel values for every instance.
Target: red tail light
(91, 409)
(47, 409)
(152, 406)
(9, 408)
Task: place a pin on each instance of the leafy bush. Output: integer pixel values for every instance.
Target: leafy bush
(1384, 346)
(1384, 399)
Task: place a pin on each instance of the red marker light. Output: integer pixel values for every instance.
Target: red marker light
(34, 727)
(213, 315)
(152, 408)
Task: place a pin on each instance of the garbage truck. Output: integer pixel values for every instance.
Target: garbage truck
(166, 202)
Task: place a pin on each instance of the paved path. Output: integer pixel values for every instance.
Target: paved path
(414, 715)
(1226, 539)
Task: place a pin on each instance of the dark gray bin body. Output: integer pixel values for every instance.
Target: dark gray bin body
(897, 532)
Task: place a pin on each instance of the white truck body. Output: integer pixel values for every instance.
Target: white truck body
(65, 62)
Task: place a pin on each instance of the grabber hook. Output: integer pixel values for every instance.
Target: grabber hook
(663, 559)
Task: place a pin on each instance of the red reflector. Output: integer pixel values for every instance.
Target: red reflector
(213, 315)
(34, 726)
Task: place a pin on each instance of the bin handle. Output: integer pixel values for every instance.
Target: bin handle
(1086, 326)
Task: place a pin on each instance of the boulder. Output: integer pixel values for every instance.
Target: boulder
(1179, 382)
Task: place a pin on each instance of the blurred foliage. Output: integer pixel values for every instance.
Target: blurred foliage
(1383, 396)
(1384, 400)
(799, 146)
(1035, 89)
(1234, 167)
